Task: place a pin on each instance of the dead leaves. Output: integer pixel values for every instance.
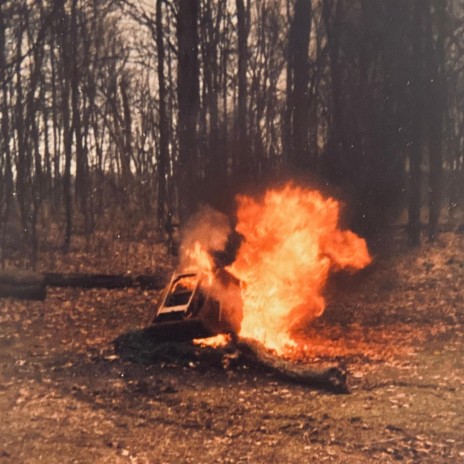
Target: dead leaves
(67, 395)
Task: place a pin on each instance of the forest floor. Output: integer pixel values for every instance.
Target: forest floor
(68, 396)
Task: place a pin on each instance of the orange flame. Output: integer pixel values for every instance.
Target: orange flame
(205, 232)
(292, 241)
(200, 261)
(213, 342)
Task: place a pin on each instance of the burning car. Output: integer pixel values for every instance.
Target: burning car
(193, 305)
(290, 242)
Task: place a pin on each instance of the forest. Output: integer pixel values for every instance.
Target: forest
(123, 116)
(287, 175)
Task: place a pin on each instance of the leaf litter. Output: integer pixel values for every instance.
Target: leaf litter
(66, 394)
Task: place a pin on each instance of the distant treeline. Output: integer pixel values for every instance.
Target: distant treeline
(143, 109)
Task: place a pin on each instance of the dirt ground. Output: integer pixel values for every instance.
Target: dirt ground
(68, 396)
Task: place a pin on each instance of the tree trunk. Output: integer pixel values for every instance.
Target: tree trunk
(163, 153)
(214, 162)
(435, 54)
(126, 147)
(81, 155)
(6, 187)
(56, 145)
(62, 31)
(22, 162)
(244, 164)
(331, 13)
(416, 128)
(187, 92)
(299, 70)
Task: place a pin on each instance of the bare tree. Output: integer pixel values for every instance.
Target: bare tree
(6, 173)
(298, 83)
(188, 95)
(244, 163)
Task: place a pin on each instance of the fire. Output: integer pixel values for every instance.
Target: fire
(292, 241)
(200, 261)
(213, 342)
(206, 232)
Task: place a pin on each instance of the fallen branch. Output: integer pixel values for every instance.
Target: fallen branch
(23, 292)
(165, 341)
(254, 354)
(33, 286)
(108, 281)
(18, 277)
(22, 285)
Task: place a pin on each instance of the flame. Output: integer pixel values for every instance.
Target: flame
(206, 231)
(200, 261)
(213, 342)
(292, 241)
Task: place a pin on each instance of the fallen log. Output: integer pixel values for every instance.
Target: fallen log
(160, 342)
(33, 286)
(150, 282)
(19, 277)
(22, 285)
(23, 292)
(256, 355)
(108, 281)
